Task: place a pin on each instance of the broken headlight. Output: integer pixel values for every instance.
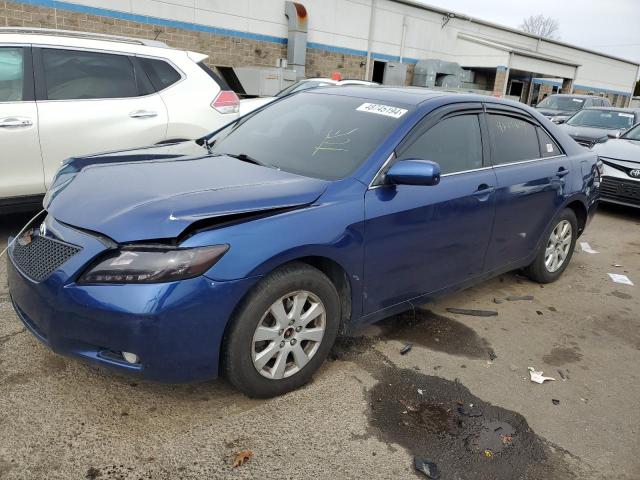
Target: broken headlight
(152, 264)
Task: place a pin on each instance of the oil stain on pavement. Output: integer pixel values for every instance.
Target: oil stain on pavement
(464, 436)
(560, 356)
(440, 420)
(436, 332)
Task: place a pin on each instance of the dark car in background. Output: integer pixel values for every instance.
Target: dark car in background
(621, 171)
(596, 125)
(558, 108)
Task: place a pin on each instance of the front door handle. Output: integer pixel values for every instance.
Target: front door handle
(143, 114)
(562, 172)
(484, 190)
(15, 122)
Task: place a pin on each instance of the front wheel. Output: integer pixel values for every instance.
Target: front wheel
(282, 332)
(556, 251)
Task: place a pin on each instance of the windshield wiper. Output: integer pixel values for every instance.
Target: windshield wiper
(245, 158)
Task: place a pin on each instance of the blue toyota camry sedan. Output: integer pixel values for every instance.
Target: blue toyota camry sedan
(245, 253)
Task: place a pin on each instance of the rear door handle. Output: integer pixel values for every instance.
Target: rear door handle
(15, 122)
(562, 172)
(143, 114)
(484, 190)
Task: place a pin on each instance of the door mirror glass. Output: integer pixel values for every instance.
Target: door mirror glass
(414, 172)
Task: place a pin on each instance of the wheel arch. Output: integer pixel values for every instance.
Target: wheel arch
(336, 273)
(579, 207)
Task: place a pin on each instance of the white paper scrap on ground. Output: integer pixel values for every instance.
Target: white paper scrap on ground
(537, 376)
(616, 277)
(587, 248)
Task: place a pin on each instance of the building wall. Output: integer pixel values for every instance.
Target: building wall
(338, 33)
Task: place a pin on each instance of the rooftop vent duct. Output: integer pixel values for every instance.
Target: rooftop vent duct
(297, 44)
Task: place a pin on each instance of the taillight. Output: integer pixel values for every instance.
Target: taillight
(226, 102)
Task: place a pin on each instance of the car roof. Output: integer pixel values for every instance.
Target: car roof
(91, 41)
(406, 95)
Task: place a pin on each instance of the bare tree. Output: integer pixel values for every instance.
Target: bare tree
(542, 26)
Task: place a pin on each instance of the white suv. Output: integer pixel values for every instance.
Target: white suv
(66, 94)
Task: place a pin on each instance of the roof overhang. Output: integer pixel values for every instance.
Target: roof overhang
(461, 16)
(527, 60)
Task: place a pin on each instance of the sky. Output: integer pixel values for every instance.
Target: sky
(609, 26)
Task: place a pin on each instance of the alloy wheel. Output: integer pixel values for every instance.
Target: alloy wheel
(558, 246)
(288, 335)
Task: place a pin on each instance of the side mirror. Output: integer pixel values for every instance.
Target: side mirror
(613, 134)
(414, 172)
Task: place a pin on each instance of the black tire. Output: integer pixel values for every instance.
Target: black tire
(538, 270)
(237, 362)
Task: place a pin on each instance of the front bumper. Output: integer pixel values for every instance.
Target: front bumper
(176, 329)
(618, 187)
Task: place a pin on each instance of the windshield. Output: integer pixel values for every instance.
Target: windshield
(303, 85)
(602, 119)
(633, 134)
(312, 134)
(556, 102)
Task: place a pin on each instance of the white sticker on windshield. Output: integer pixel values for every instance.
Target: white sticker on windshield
(386, 110)
(627, 115)
(549, 147)
(577, 100)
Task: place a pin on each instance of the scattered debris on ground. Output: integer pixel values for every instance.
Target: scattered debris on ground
(587, 248)
(443, 425)
(474, 313)
(619, 278)
(241, 457)
(406, 349)
(515, 298)
(537, 377)
(427, 467)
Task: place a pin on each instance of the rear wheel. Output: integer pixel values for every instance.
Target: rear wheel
(555, 253)
(282, 332)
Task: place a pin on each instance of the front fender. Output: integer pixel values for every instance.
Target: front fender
(333, 228)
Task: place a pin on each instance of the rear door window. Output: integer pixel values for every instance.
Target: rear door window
(79, 75)
(454, 143)
(513, 139)
(11, 74)
(161, 73)
(548, 147)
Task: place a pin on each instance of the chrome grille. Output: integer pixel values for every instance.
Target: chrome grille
(621, 190)
(40, 257)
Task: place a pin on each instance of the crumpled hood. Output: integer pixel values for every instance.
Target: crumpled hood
(620, 149)
(157, 192)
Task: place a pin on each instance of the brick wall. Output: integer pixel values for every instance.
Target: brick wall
(222, 50)
(321, 63)
(500, 83)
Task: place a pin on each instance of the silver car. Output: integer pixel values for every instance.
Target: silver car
(621, 176)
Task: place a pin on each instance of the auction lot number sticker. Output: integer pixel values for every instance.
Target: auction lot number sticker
(386, 110)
